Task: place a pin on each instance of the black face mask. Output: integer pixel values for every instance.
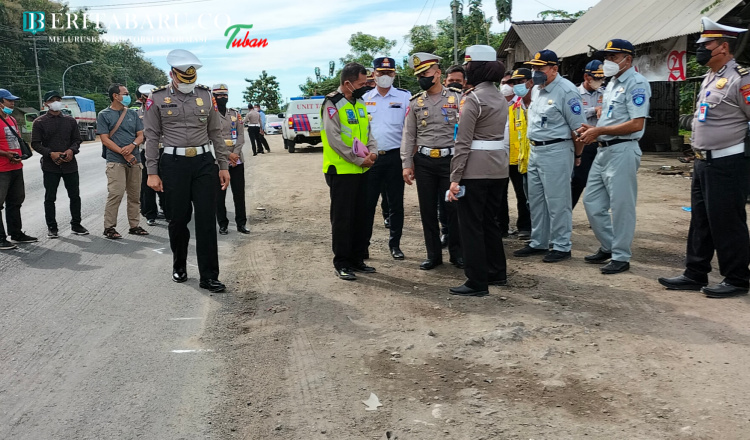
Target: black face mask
(703, 55)
(426, 82)
(539, 78)
(455, 85)
(221, 103)
(360, 92)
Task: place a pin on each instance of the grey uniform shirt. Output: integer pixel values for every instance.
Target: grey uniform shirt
(125, 134)
(626, 98)
(252, 118)
(484, 112)
(332, 126)
(231, 131)
(727, 94)
(181, 120)
(555, 111)
(589, 102)
(430, 122)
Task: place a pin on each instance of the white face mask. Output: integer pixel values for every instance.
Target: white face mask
(55, 106)
(611, 68)
(185, 88)
(384, 81)
(506, 90)
(596, 83)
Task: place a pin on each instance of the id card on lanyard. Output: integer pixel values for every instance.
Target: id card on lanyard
(702, 112)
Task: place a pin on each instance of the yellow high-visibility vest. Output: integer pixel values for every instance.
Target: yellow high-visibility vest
(519, 141)
(354, 123)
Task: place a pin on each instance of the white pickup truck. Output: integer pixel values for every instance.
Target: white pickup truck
(301, 122)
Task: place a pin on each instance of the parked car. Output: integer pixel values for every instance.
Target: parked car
(273, 124)
(303, 122)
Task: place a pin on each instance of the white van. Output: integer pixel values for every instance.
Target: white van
(301, 122)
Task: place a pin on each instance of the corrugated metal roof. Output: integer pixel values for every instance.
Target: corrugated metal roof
(535, 35)
(638, 21)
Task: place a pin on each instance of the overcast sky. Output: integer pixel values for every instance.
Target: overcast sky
(301, 34)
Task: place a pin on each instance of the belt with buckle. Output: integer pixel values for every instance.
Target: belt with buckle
(486, 145)
(716, 154)
(613, 142)
(384, 152)
(435, 153)
(186, 151)
(549, 142)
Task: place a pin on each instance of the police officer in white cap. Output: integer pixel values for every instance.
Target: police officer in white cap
(719, 187)
(182, 115)
(148, 195)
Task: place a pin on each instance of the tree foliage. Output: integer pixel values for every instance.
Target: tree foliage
(559, 14)
(504, 9)
(264, 91)
(365, 47)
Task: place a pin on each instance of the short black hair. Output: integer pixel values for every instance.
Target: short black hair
(351, 72)
(114, 89)
(482, 71)
(508, 73)
(731, 42)
(456, 68)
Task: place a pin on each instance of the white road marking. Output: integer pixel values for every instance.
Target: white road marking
(185, 319)
(160, 250)
(200, 350)
(192, 265)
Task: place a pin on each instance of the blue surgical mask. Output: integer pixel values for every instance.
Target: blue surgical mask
(539, 77)
(126, 100)
(520, 90)
(7, 110)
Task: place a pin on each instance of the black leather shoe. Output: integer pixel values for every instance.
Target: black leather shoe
(528, 251)
(458, 262)
(615, 267)
(213, 286)
(179, 275)
(430, 264)
(362, 267)
(464, 290)
(243, 230)
(397, 254)
(345, 274)
(497, 282)
(554, 256)
(681, 283)
(723, 290)
(444, 240)
(223, 231)
(599, 257)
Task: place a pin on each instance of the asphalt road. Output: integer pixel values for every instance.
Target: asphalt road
(97, 341)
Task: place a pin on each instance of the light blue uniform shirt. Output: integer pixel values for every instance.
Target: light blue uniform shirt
(555, 111)
(262, 120)
(590, 101)
(626, 98)
(387, 116)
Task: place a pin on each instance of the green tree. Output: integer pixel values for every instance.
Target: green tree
(504, 9)
(326, 85)
(365, 47)
(559, 14)
(264, 91)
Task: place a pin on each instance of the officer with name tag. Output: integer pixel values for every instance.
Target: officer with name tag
(718, 222)
(555, 112)
(613, 183)
(386, 107)
(183, 116)
(426, 153)
(592, 95)
(231, 131)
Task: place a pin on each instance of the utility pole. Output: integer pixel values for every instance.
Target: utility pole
(38, 79)
(454, 7)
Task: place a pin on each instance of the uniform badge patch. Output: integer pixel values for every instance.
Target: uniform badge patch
(451, 100)
(746, 96)
(149, 103)
(370, 103)
(199, 101)
(745, 87)
(361, 113)
(639, 96)
(575, 106)
(331, 112)
(721, 83)
(167, 100)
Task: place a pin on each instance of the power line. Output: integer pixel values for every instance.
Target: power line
(415, 22)
(428, 15)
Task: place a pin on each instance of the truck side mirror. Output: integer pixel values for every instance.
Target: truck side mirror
(281, 115)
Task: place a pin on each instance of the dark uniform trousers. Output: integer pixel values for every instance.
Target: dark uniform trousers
(254, 134)
(262, 140)
(237, 183)
(523, 222)
(718, 220)
(348, 217)
(191, 182)
(51, 183)
(581, 172)
(481, 237)
(386, 177)
(433, 180)
(148, 195)
(12, 194)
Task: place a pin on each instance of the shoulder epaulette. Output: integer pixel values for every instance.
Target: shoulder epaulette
(160, 88)
(741, 70)
(335, 96)
(453, 89)
(403, 90)
(201, 86)
(417, 95)
(467, 91)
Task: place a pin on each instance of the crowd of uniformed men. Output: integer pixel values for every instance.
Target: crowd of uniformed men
(461, 139)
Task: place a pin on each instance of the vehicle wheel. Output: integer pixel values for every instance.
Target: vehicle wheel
(291, 147)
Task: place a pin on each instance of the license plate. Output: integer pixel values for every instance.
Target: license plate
(314, 133)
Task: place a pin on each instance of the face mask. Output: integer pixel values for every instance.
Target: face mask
(506, 90)
(611, 68)
(55, 106)
(256, 109)
(384, 81)
(426, 82)
(520, 90)
(7, 110)
(597, 83)
(222, 102)
(185, 88)
(703, 55)
(358, 93)
(539, 78)
(125, 100)
(455, 85)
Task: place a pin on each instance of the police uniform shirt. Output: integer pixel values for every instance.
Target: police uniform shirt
(181, 120)
(589, 102)
(555, 111)
(387, 115)
(231, 131)
(430, 122)
(252, 118)
(625, 98)
(332, 126)
(727, 95)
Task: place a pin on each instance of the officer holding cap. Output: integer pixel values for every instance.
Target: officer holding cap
(231, 131)
(386, 106)
(592, 95)
(148, 195)
(182, 115)
(480, 166)
(720, 176)
(612, 183)
(426, 153)
(555, 112)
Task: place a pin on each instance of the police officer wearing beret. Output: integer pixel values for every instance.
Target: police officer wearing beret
(612, 183)
(719, 188)
(231, 131)
(555, 112)
(182, 115)
(592, 95)
(426, 153)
